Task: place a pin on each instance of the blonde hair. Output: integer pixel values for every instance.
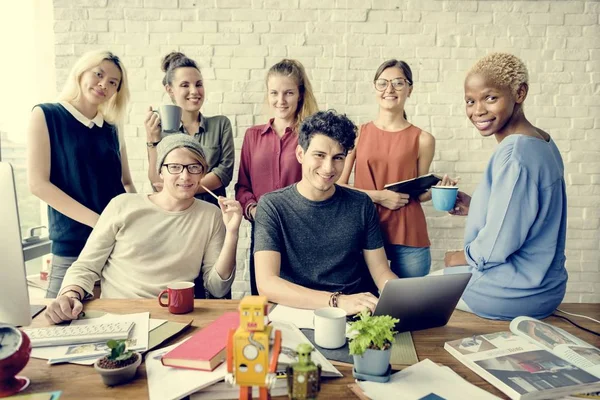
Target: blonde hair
(502, 70)
(112, 110)
(307, 104)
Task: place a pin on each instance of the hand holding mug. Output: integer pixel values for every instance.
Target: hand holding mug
(152, 125)
(462, 204)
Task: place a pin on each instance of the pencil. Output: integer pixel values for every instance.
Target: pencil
(209, 192)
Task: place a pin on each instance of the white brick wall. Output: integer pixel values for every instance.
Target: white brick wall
(341, 42)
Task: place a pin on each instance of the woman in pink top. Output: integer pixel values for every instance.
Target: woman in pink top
(268, 160)
(390, 149)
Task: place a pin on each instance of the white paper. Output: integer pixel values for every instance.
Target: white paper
(87, 354)
(415, 382)
(303, 319)
(224, 391)
(167, 383)
(155, 323)
(291, 337)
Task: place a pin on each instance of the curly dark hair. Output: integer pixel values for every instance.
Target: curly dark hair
(331, 124)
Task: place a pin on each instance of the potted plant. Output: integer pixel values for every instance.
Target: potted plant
(120, 365)
(371, 343)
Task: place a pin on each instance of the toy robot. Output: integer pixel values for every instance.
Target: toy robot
(304, 377)
(248, 349)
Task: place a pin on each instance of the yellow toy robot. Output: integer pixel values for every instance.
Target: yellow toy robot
(248, 349)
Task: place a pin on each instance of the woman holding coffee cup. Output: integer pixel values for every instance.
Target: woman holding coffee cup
(268, 161)
(391, 149)
(184, 84)
(516, 224)
(77, 159)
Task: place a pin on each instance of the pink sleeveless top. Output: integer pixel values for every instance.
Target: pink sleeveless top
(384, 157)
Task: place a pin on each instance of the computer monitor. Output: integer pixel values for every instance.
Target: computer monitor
(14, 296)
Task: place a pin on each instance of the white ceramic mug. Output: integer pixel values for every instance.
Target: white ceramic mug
(330, 327)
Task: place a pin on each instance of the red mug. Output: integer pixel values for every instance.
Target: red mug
(180, 297)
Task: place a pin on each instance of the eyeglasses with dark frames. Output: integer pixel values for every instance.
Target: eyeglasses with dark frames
(194, 169)
(397, 83)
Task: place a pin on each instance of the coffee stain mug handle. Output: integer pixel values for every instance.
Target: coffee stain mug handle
(160, 297)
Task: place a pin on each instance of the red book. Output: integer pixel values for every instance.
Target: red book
(206, 349)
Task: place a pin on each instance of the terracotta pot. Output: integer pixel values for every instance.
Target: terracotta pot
(118, 376)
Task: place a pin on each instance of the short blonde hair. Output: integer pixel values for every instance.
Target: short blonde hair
(112, 110)
(502, 70)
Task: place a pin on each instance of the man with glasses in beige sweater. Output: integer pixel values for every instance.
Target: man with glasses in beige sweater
(144, 242)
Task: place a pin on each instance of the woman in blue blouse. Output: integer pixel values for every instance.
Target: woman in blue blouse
(517, 217)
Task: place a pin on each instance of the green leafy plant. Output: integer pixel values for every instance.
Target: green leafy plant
(369, 332)
(118, 350)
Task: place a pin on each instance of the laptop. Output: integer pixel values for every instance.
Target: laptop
(421, 303)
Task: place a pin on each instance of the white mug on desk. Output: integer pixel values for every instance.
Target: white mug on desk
(330, 327)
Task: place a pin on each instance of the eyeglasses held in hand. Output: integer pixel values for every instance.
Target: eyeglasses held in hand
(398, 84)
(194, 169)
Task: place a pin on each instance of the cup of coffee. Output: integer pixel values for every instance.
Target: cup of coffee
(330, 327)
(444, 197)
(180, 297)
(170, 117)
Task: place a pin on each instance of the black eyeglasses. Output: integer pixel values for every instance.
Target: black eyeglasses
(398, 84)
(194, 169)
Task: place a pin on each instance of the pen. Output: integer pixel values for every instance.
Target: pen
(210, 192)
(213, 195)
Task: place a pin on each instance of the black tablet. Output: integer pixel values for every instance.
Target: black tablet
(414, 187)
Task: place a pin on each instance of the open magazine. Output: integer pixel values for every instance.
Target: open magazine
(534, 360)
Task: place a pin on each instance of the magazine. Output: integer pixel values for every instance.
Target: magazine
(534, 360)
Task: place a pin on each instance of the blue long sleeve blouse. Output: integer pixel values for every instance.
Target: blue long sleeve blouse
(516, 230)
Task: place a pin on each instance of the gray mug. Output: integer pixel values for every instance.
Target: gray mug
(170, 117)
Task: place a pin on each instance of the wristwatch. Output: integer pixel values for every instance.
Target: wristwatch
(152, 144)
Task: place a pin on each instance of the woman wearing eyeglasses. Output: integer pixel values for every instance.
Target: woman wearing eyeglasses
(390, 149)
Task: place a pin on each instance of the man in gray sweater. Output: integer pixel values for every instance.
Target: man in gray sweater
(142, 242)
(318, 243)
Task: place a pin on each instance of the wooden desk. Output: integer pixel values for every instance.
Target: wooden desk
(77, 382)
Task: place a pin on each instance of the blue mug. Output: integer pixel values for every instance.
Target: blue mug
(444, 197)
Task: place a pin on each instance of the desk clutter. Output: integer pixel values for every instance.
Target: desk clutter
(255, 353)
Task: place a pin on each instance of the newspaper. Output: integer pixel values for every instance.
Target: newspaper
(533, 361)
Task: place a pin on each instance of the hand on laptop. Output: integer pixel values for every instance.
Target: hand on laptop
(64, 308)
(355, 303)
